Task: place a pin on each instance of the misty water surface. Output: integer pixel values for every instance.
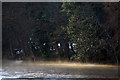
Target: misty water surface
(21, 69)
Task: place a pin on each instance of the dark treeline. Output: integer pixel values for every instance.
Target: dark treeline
(84, 32)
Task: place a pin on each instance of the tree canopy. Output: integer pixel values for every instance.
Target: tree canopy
(84, 32)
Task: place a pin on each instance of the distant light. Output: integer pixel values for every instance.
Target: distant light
(59, 44)
(91, 45)
(44, 44)
(35, 48)
(69, 45)
(74, 44)
(18, 52)
(30, 38)
(50, 49)
(21, 51)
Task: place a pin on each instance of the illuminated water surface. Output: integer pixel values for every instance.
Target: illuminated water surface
(58, 69)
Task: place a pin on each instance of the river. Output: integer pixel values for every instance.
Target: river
(13, 70)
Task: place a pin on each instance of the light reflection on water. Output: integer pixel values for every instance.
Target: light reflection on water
(19, 69)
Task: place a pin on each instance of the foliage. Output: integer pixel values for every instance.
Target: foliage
(81, 29)
(85, 32)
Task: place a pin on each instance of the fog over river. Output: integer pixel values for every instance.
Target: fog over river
(56, 70)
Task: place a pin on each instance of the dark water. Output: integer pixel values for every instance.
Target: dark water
(17, 70)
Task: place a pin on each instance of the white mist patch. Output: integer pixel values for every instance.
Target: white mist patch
(71, 64)
(90, 65)
(18, 61)
(58, 69)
